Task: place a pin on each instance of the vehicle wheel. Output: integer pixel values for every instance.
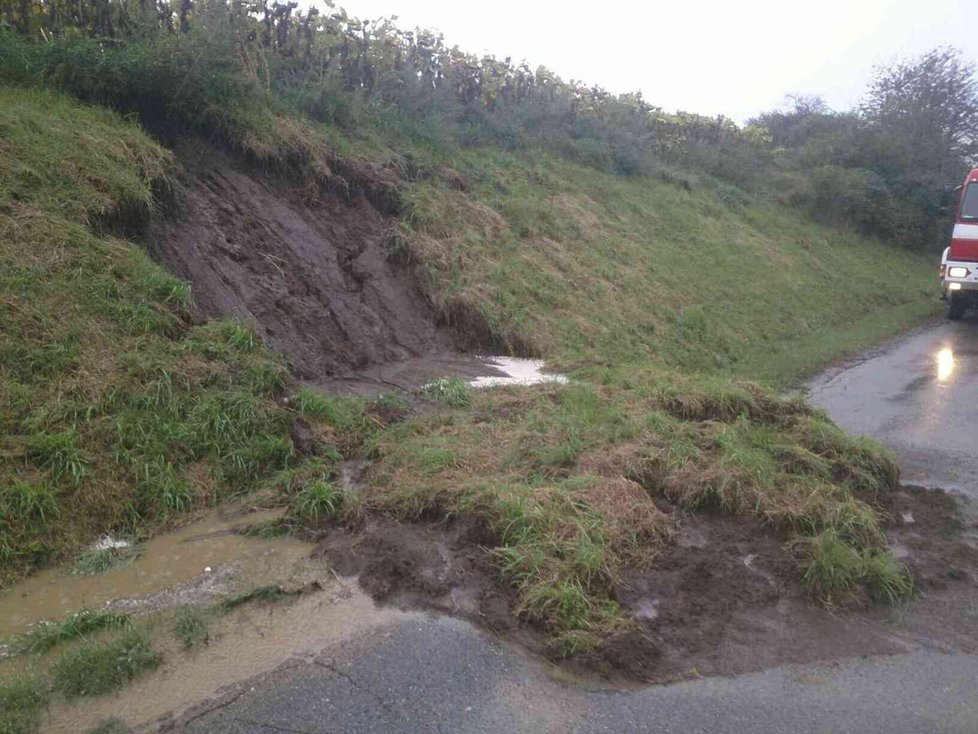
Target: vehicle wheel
(955, 307)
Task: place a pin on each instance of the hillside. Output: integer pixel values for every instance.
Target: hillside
(677, 303)
(118, 404)
(679, 270)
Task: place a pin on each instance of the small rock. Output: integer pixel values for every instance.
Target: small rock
(907, 518)
(207, 569)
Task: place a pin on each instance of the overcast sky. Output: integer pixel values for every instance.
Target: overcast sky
(707, 56)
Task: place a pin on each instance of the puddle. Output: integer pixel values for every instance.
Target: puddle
(171, 561)
(247, 643)
(197, 563)
(517, 371)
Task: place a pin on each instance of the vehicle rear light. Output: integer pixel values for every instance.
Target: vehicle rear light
(943, 269)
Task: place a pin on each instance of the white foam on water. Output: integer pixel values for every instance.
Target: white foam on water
(517, 372)
(107, 542)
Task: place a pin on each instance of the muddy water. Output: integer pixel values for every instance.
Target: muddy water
(198, 563)
(413, 374)
(173, 561)
(254, 640)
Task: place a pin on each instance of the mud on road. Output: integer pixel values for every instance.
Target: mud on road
(725, 600)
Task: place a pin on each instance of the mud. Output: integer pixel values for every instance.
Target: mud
(726, 599)
(313, 275)
(436, 567)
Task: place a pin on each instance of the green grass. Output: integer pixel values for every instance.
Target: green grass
(111, 726)
(836, 570)
(452, 391)
(115, 404)
(584, 265)
(267, 529)
(266, 594)
(95, 561)
(190, 627)
(47, 635)
(319, 500)
(21, 704)
(656, 297)
(99, 668)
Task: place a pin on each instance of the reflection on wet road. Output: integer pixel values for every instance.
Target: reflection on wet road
(919, 396)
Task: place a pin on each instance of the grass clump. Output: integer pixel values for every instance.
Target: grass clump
(267, 594)
(452, 391)
(267, 529)
(111, 726)
(21, 703)
(46, 635)
(26, 503)
(190, 627)
(318, 500)
(94, 669)
(349, 417)
(98, 560)
(837, 570)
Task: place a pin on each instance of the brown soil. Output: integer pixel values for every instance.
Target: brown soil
(311, 274)
(724, 599)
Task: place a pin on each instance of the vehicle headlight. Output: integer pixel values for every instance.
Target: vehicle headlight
(954, 286)
(958, 272)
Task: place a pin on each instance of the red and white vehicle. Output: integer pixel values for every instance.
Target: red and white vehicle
(960, 272)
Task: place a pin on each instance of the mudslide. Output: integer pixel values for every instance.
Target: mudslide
(311, 276)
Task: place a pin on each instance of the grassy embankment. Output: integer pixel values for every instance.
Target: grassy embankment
(117, 414)
(689, 275)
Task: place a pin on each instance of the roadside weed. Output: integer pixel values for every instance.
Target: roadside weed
(190, 627)
(98, 668)
(452, 391)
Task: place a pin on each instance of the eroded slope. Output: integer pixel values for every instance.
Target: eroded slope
(311, 275)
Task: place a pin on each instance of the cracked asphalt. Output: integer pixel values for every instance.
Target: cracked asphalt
(440, 675)
(422, 673)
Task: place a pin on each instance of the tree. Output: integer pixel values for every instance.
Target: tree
(928, 107)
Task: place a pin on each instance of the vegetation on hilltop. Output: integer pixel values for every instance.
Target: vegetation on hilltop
(235, 69)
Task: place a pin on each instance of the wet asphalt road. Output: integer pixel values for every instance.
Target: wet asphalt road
(437, 674)
(919, 396)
